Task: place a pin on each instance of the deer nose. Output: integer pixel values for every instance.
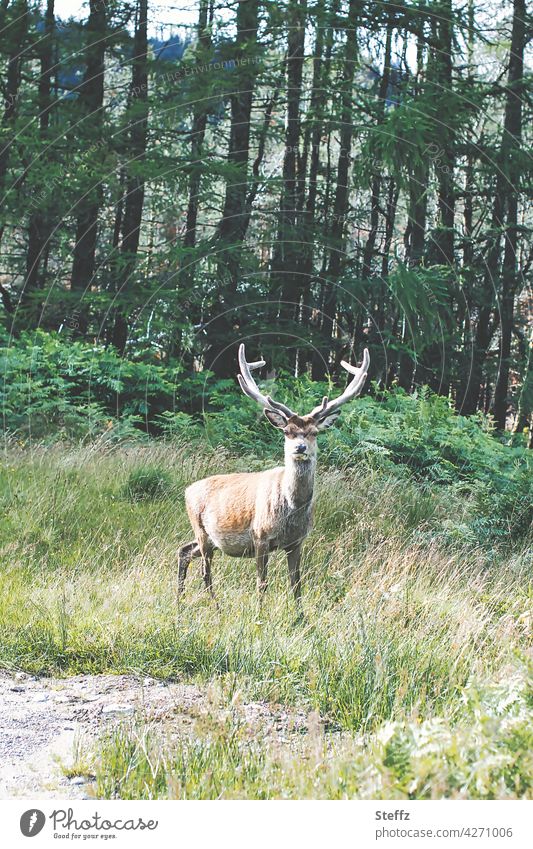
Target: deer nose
(301, 449)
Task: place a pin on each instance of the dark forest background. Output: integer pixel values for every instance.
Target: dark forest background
(314, 177)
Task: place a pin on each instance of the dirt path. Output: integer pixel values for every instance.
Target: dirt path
(43, 721)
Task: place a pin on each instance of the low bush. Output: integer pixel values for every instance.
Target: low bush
(147, 482)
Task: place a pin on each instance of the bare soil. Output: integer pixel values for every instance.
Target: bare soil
(46, 722)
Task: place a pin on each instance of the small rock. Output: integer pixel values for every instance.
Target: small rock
(21, 676)
(117, 708)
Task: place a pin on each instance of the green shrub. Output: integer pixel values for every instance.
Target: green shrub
(54, 386)
(147, 483)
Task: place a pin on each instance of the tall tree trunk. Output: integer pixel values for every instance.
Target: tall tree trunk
(418, 181)
(199, 125)
(287, 259)
(368, 252)
(442, 80)
(504, 191)
(435, 359)
(511, 142)
(340, 205)
(325, 22)
(134, 200)
(40, 227)
(234, 222)
(379, 287)
(18, 33)
(198, 130)
(91, 98)
(17, 28)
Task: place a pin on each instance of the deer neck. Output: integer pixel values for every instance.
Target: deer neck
(298, 481)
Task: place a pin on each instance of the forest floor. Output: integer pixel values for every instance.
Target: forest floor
(48, 726)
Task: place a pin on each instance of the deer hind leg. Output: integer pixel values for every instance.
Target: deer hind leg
(185, 555)
(293, 560)
(204, 546)
(261, 555)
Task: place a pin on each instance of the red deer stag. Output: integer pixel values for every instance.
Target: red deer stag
(250, 514)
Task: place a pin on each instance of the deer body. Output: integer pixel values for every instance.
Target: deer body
(254, 513)
(236, 511)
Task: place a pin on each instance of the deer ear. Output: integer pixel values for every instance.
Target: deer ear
(328, 421)
(276, 418)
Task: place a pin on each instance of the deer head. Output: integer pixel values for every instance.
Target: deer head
(301, 431)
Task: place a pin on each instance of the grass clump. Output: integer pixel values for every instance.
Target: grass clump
(147, 483)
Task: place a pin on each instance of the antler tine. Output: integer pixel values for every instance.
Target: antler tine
(352, 390)
(250, 387)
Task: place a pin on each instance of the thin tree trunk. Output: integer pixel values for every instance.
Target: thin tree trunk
(435, 360)
(18, 32)
(340, 205)
(368, 252)
(524, 416)
(512, 134)
(234, 221)
(134, 200)
(91, 98)
(442, 76)
(318, 109)
(39, 227)
(288, 253)
(199, 125)
(198, 130)
(471, 387)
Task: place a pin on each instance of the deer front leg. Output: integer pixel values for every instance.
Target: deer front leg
(293, 559)
(261, 559)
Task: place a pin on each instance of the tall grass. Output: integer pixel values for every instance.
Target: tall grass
(403, 617)
(487, 754)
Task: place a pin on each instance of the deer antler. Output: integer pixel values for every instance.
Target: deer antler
(250, 387)
(352, 390)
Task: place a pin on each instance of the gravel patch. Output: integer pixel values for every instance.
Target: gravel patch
(43, 721)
